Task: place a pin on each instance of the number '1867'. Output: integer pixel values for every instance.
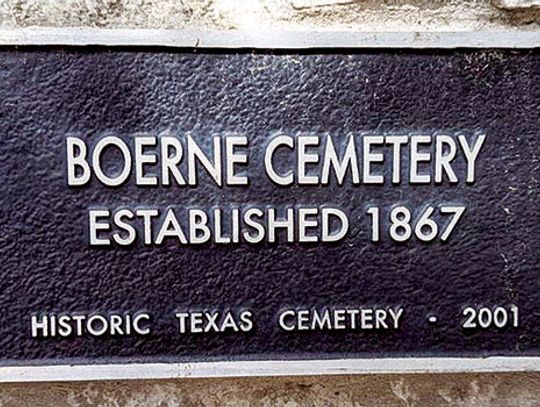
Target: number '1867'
(403, 225)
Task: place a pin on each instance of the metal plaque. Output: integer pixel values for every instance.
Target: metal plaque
(268, 212)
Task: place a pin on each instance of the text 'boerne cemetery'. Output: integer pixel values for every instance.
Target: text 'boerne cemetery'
(183, 162)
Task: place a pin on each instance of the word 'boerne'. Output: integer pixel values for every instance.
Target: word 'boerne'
(302, 160)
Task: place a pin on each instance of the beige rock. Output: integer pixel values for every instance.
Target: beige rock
(486, 390)
(517, 4)
(365, 15)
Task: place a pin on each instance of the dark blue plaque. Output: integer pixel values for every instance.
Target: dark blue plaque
(181, 206)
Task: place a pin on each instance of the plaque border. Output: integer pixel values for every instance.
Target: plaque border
(265, 368)
(238, 39)
(268, 39)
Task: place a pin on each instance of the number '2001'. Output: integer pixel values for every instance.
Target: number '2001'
(485, 317)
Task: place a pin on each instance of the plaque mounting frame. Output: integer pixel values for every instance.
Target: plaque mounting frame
(234, 39)
(143, 371)
(237, 39)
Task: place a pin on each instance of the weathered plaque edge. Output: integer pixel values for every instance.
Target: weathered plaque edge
(134, 371)
(264, 39)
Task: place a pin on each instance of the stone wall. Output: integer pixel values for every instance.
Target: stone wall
(486, 390)
(365, 15)
(390, 15)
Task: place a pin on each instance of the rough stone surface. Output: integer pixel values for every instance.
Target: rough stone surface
(393, 15)
(517, 4)
(360, 391)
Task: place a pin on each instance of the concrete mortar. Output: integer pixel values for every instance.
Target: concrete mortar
(383, 390)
